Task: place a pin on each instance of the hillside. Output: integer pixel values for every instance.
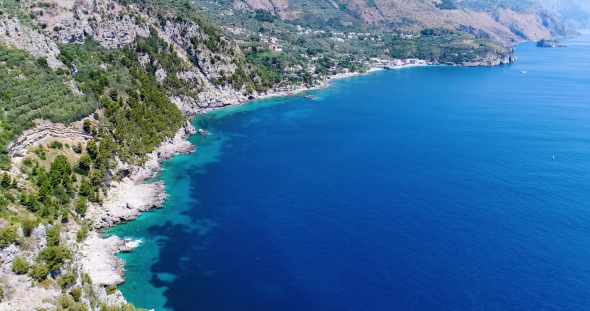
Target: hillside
(506, 21)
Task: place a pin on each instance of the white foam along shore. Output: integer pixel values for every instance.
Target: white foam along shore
(128, 198)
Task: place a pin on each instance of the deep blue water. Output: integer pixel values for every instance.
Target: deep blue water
(414, 189)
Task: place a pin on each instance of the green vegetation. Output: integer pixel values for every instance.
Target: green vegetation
(544, 43)
(30, 91)
(39, 272)
(67, 280)
(8, 235)
(442, 46)
(20, 266)
(111, 289)
(28, 225)
(54, 257)
(76, 293)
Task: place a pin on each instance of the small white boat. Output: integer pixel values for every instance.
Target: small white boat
(523, 71)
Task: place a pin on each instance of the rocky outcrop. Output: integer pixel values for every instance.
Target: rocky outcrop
(125, 201)
(495, 61)
(45, 130)
(98, 260)
(104, 20)
(119, 32)
(13, 33)
(72, 30)
(131, 196)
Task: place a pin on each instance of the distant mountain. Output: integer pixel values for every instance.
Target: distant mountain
(506, 21)
(574, 12)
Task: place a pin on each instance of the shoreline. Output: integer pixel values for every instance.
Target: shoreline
(129, 198)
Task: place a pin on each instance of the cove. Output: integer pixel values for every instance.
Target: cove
(420, 188)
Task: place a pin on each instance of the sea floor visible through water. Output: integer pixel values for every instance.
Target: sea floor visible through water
(419, 188)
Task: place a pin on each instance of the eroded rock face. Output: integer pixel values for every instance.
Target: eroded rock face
(73, 30)
(47, 130)
(13, 33)
(72, 21)
(119, 32)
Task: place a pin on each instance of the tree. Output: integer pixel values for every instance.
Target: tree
(85, 189)
(6, 181)
(24, 198)
(85, 162)
(52, 236)
(92, 148)
(81, 206)
(87, 126)
(20, 266)
(42, 62)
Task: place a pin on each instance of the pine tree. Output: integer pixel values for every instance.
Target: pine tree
(6, 181)
(23, 198)
(81, 206)
(92, 148)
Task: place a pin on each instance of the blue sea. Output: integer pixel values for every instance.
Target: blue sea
(426, 188)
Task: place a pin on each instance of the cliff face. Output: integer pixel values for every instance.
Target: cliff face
(17, 35)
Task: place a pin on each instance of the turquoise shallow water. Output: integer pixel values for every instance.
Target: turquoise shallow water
(420, 188)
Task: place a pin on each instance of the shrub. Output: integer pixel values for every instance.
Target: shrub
(20, 266)
(81, 234)
(65, 302)
(76, 293)
(64, 216)
(28, 225)
(67, 279)
(39, 272)
(52, 236)
(8, 235)
(28, 162)
(54, 257)
(77, 148)
(111, 289)
(56, 145)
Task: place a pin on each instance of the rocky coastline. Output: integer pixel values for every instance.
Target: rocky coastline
(132, 195)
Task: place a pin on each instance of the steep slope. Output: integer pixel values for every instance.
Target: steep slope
(114, 80)
(504, 21)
